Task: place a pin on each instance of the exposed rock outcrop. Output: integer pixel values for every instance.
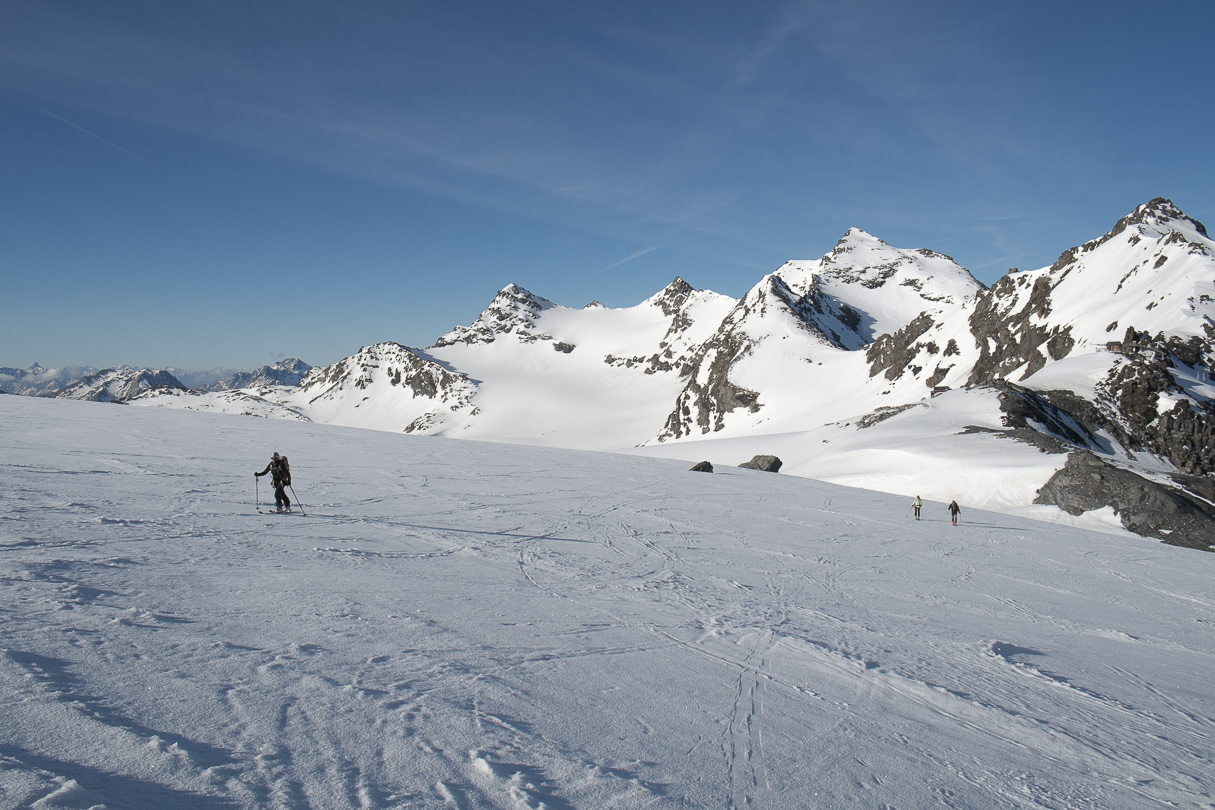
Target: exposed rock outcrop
(1143, 394)
(1144, 507)
(1011, 327)
(763, 463)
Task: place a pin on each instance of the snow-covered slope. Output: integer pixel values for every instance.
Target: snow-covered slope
(455, 624)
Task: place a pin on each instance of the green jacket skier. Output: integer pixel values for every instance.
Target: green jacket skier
(916, 504)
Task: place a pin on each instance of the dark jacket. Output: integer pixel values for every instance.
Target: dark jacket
(280, 471)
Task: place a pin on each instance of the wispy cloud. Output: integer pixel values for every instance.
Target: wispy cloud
(93, 135)
(637, 254)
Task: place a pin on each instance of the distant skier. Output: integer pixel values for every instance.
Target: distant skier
(280, 474)
(916, 504)
(954, 511)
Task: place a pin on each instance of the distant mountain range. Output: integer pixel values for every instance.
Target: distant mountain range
(126, 383)
(1080, 392)
(37, 381)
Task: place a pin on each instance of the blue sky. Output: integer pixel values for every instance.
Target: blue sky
(209, 183)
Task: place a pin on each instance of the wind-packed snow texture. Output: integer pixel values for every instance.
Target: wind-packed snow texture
(470, 625)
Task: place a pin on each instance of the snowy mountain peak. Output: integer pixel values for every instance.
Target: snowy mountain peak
(1156, 221)
(773, 326)
(284, 372)
(513, 292)
(854, 238)
(1161, 213)
(513, 311)
(120, 385)
(388, 383)
(1154, 271)
(672, 297)
(889, 286)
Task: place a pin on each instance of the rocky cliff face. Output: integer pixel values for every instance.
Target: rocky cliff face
(1145, 393)
(1150, 508)
(1011, 326)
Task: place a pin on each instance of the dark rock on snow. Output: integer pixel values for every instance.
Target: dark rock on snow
(764, 463)
(1145, 507)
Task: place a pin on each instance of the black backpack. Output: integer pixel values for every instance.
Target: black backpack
(281, 471)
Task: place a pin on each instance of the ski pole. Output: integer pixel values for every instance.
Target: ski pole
(257, 500)
(297, 500)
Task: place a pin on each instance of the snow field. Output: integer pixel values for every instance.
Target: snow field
(459, 624)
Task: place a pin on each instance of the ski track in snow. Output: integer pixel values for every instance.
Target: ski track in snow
(459, 625)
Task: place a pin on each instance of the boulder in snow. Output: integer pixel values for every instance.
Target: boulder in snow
(765, 463)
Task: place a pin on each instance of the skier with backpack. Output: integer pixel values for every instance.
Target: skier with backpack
(954, 511)
(280, 474)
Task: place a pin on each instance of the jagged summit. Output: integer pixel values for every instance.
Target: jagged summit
(1160, 212)
(1153, 221)
(889, 287)
(854, 238)
(671, 297)
(1153, 271)
(284, 372)
(677, 285)
(513, 311)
